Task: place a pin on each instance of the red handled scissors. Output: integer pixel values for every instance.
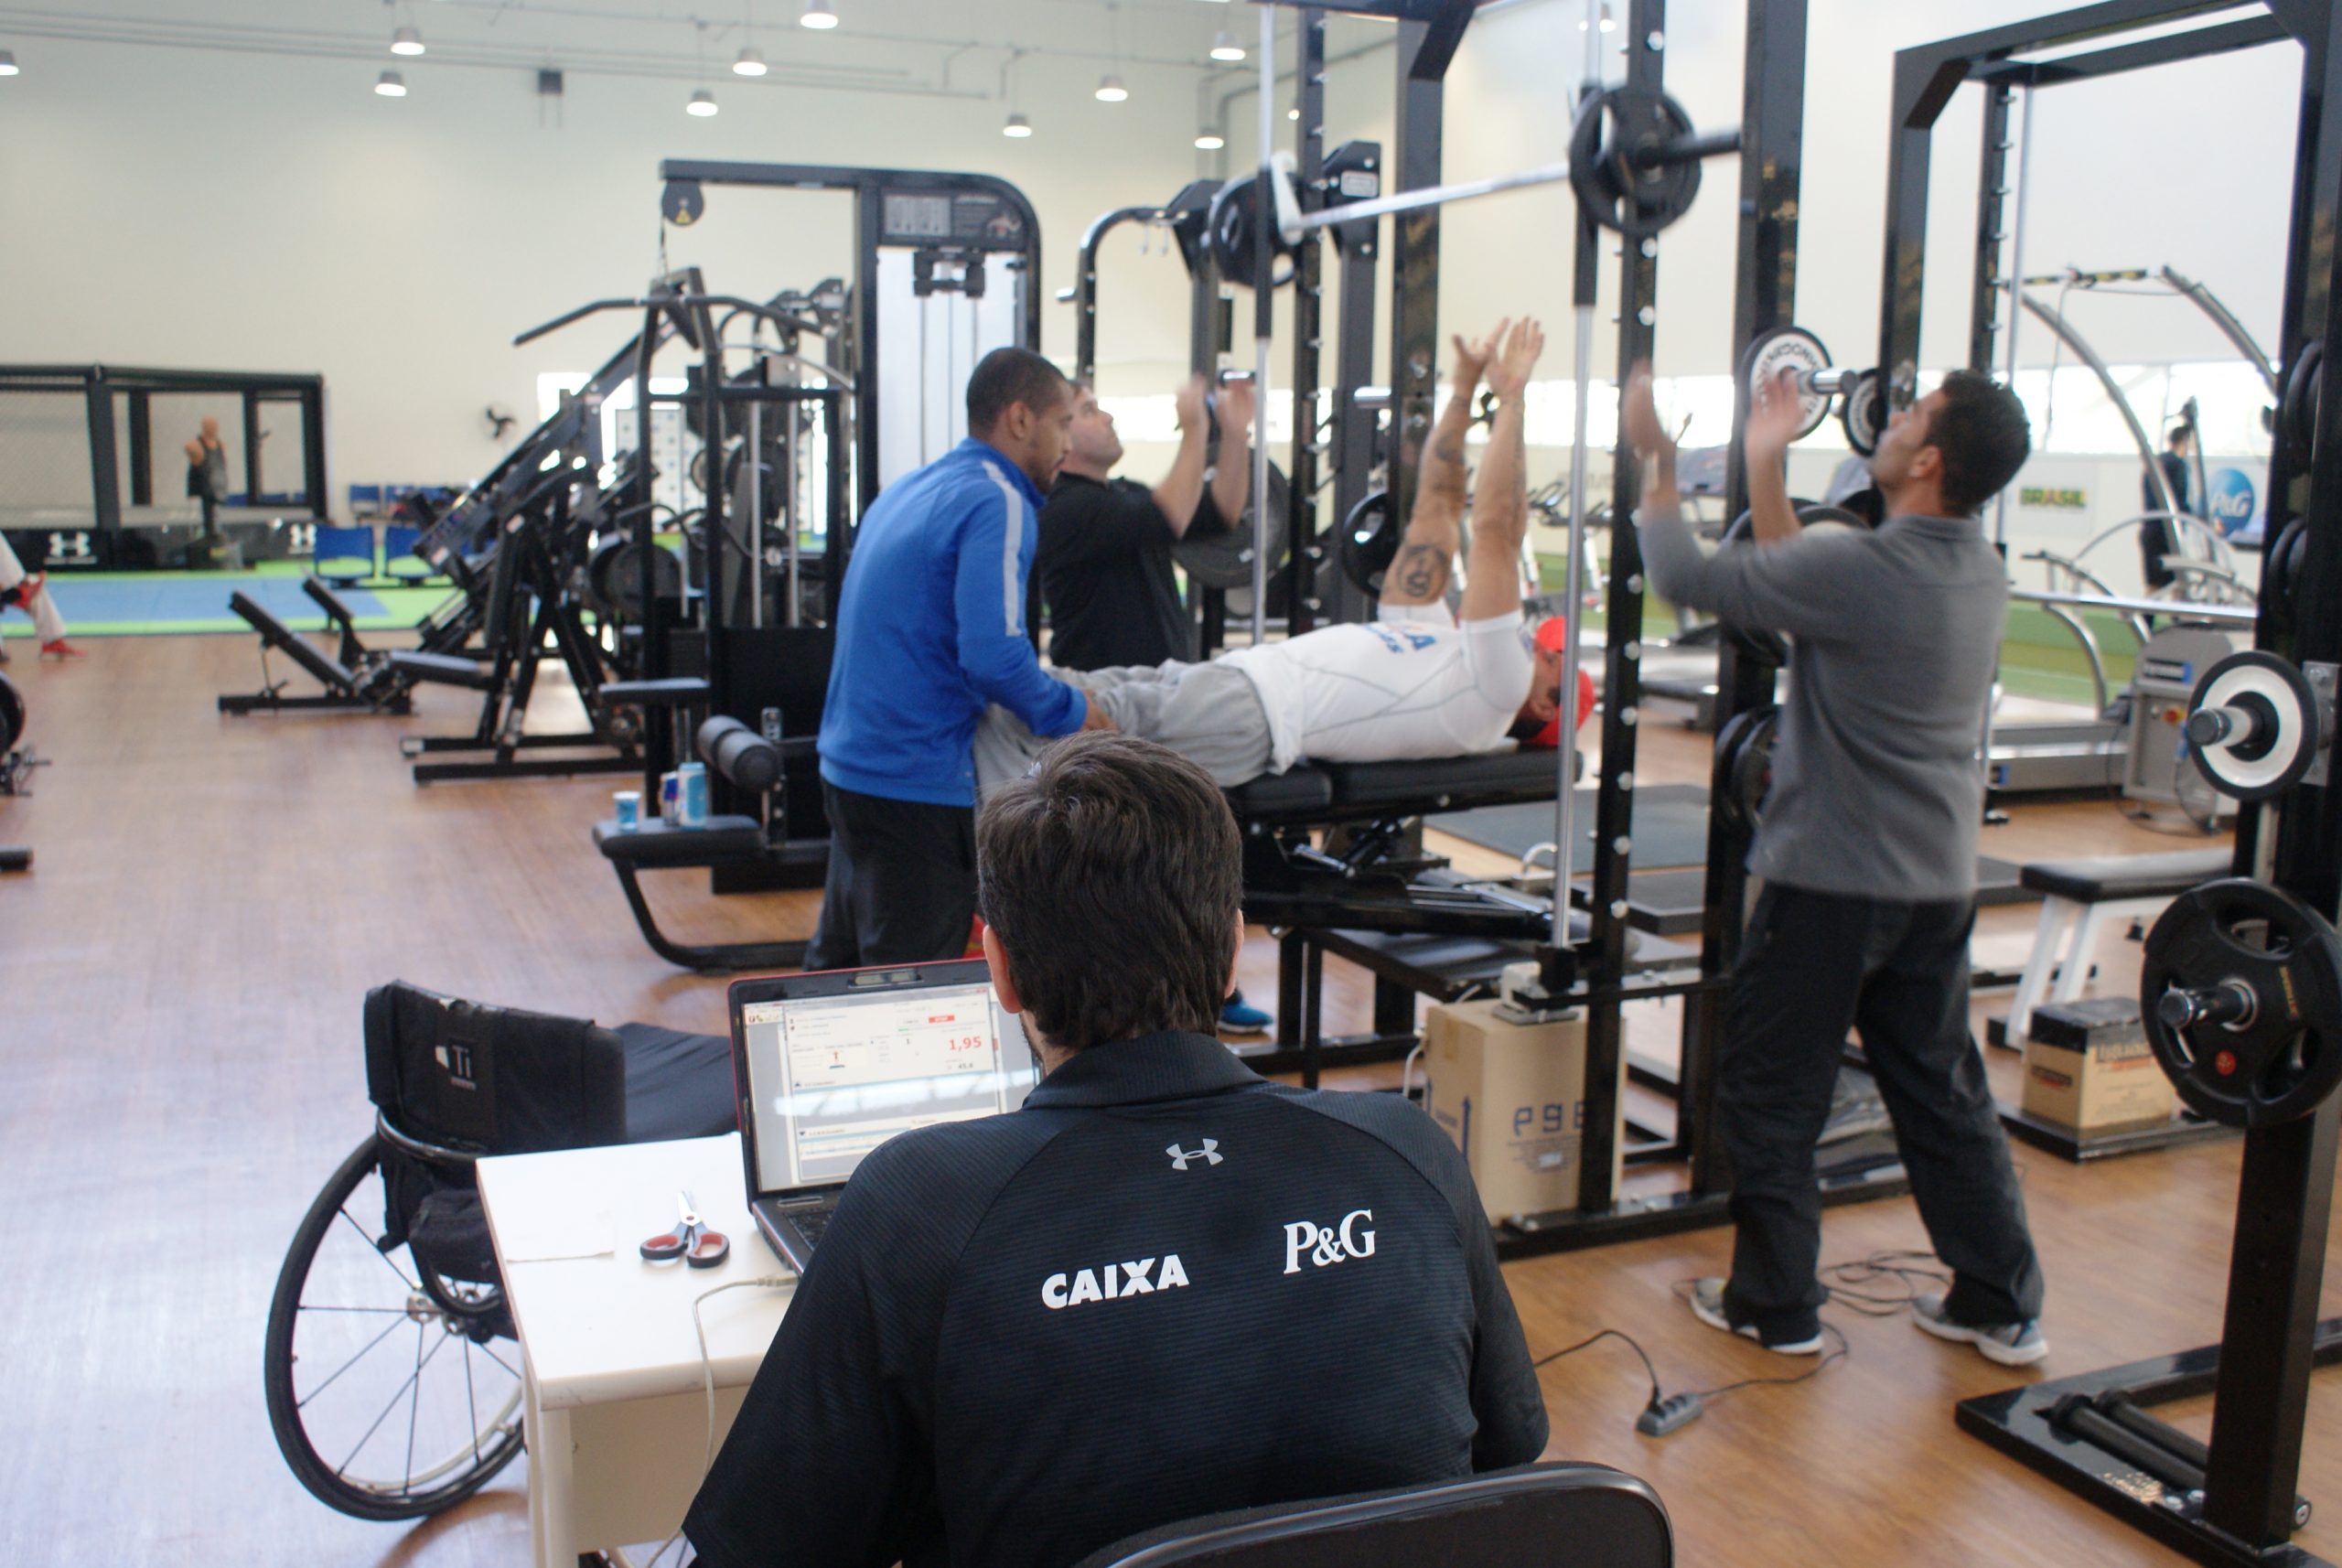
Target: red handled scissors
(691, 1239)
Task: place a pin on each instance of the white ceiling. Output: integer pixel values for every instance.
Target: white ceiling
(930, 46)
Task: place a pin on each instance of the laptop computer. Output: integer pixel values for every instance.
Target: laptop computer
(826, 1067)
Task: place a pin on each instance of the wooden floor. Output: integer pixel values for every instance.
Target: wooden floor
(179, 985)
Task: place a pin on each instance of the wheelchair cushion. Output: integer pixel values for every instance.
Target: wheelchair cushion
(494, 1080)
(677, 1085)
(2102, 880)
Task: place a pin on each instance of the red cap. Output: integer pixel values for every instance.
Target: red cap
(1552, 636)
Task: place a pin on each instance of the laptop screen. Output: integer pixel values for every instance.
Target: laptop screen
(833, 1077)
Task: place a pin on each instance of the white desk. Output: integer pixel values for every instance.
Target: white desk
(611, 1386)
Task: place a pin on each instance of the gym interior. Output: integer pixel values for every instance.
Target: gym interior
(408, 822)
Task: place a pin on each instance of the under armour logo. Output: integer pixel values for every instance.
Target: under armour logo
(1209, 1153)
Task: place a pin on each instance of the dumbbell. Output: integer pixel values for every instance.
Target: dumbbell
(1799, 354)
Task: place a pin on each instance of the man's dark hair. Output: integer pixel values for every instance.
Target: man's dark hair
(1110, 874)
(1006, 376)
(2181, 434)
(1985, 436)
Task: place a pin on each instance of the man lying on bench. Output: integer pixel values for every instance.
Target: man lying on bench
(1412, 683)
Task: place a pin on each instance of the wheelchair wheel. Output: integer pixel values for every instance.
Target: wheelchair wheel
(388, 1394)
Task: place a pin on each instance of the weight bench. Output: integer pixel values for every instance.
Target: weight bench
(344, 688)
(2078, 897)
(748, 762)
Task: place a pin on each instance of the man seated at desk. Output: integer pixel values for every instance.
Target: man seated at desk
(1162, 1288)
(1416, 683)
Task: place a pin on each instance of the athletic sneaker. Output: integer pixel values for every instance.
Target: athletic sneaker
(1238, 1017)
(60, 649)
(2009, 1344)
(1708, 1306)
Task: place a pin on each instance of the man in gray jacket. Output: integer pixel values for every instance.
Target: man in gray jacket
(1867, 853)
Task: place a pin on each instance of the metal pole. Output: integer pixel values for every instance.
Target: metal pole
(1572, 609)
(756, 466)
(2016, 314)
(1264, 322)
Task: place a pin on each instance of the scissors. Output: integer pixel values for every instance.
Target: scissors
(691, 1239)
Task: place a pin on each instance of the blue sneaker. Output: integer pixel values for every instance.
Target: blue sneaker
(1238, 1017)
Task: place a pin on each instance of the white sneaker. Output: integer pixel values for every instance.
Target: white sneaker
(2009, 1344)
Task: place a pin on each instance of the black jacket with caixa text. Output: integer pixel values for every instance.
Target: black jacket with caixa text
(1165, 1288)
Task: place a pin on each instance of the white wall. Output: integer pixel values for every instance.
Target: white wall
(200, 209)
(209, 209)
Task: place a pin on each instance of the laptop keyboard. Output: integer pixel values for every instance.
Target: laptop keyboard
(810, 1223)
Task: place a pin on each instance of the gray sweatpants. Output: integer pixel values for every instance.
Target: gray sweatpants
(1209, 714)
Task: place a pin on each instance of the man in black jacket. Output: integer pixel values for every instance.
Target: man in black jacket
(1165, 1288)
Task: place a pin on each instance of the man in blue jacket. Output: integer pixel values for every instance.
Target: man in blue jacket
(930, 628)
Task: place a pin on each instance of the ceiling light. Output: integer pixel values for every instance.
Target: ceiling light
(818, 14)
(1293, 113)
(391, 84)
(750, 63)
(1110, 90)
(7, 62)
(1017, 126)
(407, 40)
(1609, 23)
(1225, 46)
(1209, 140)
(702, 104)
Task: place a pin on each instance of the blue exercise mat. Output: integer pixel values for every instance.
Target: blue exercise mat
(157, 598)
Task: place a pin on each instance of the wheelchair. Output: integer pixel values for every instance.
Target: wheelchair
(390, 1365)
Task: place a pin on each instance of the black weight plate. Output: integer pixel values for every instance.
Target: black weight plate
(614, 578)
(1862, 413)
(1234, 209)
(2280, 574)
(1612, 124)
(1744, 767)
(12, 716)
(1225, 559)
(2280, 1064)
(2298, 415)
(1370, 541)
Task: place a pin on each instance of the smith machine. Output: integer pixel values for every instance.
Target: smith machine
(2241, 982)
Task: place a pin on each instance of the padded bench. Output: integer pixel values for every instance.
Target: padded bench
(1329, 793)
(661, 846)
(2077, 898)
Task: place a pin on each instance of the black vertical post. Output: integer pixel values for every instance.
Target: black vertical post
(142, 449)
(1360, 252)
(1415, 266)
(106, 484)
(653, 663)
(1925, 81)
(252, 449)
(1989, 287)
(867, 202)
(1765, 297)
(2285, 1196)
(1622, 673)
(1308, 320)
(313, 449)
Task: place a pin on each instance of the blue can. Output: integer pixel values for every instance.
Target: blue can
(670, 799)
(627, 805)
(691, 788)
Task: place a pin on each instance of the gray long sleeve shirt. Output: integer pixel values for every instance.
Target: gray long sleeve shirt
(1875, 787)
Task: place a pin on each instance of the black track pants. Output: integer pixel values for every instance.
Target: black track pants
(902, 882)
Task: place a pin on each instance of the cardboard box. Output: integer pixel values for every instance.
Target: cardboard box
(1512, 1097)
(2088, 1067)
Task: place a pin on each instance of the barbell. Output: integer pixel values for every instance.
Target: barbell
(1634, 167)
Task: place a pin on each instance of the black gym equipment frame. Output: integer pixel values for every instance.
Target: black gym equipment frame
(1595, 973)
(2232, 1500)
